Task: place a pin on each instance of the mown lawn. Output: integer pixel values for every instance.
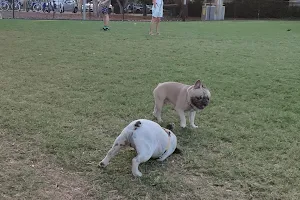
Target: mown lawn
(67, 89)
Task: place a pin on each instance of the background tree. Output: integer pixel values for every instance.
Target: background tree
(145, 3)
(122, 4)
(96, 8)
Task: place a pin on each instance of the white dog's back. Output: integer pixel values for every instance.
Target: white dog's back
(146, 133)
(148, 138)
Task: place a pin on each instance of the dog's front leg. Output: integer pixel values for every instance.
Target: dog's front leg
(182, 117)
(192, 119)
(118, 144)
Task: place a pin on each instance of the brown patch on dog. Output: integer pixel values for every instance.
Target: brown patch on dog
(137, 124)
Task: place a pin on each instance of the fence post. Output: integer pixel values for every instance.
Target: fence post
(234, 10)
(123, 2)
(13, 5)
(84, 9)
(184, 10)
(258, 10)
(53, 8)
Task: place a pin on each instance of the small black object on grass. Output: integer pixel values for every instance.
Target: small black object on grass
(289, 29)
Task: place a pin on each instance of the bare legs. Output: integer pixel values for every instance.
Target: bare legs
(106, 21)
(154, 24)
(157, 25)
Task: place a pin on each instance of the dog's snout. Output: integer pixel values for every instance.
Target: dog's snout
(205, 103)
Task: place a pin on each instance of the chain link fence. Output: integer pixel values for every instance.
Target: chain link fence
(173, 9)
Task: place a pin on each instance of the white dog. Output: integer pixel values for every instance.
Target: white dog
(149, 140)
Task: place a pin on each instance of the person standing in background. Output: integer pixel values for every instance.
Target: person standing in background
(157, 14)
(104, 5)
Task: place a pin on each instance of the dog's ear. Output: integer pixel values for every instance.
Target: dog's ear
(198, 84)
(170, 126)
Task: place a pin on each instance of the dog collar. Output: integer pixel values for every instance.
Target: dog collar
(169, 141)
(192, 106)
(168, 132)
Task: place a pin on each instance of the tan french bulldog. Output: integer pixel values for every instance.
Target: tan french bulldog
(183, 97)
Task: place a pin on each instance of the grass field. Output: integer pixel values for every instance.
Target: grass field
(67, 89)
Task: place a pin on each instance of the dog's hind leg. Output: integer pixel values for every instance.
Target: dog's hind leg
(143, 155)
(157, 109)
(159, 103)
(140, 158)
(182, 117)
(118, 144)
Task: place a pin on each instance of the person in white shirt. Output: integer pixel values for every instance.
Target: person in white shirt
(157, 13)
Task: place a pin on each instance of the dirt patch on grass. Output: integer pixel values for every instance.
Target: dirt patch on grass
(26, 173)
(204, 188)
(191, 184)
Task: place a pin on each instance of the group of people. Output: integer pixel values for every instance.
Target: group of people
(157, 14)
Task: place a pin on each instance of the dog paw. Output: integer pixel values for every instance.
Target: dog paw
(194, 126)
(137, 174)
(160, 159)
(182, 125)
(102, 165)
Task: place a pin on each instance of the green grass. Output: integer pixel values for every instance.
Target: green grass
(67, 90)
